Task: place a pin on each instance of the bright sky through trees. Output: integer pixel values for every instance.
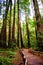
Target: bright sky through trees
(32, 13)
(31, 9)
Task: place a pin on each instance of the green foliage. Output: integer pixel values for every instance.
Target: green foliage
(24, 5)
(0, 24)
(40, 40)
(11, 53)
(42, 1)
(8, 52)
(5, 61)
(16, 48)
(32, 33)
(13, 45)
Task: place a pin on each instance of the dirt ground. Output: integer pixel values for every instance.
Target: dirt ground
(32, 59)
(19, 60)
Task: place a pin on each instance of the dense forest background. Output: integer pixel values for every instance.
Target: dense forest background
(21, 32)
(21, 24)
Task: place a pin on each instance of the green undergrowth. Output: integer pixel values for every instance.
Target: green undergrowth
(9, 52)
(5, 61)
(6, 56)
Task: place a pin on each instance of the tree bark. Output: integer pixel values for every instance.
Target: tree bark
(13, 28)
(27, 29)
(10, 22)
(18, 25)
(21, 39)
(37, 13)
(38, 24)
(3, 31)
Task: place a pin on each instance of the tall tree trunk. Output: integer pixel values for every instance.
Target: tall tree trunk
(27, 29)
(18, 25)
(39, 25)
(21, 39)
(3, 31)
(10, 37)
(20, 32)
(37, 13)
(13, 28)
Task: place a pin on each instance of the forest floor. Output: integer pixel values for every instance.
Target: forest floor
(32, 57)
(19, 60)
(14, 56)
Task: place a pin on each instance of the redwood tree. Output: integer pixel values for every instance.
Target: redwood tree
(13, 28)
(38, 24)
(3, 31)
(21, 39)
(10, 22)
(18, 25)
(27, 29)
(37, 15)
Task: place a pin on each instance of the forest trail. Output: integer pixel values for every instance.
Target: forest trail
(31, 59)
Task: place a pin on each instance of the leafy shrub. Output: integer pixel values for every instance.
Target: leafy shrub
(9, 54)
(40, 40)
(13, 45)
(5, 61)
